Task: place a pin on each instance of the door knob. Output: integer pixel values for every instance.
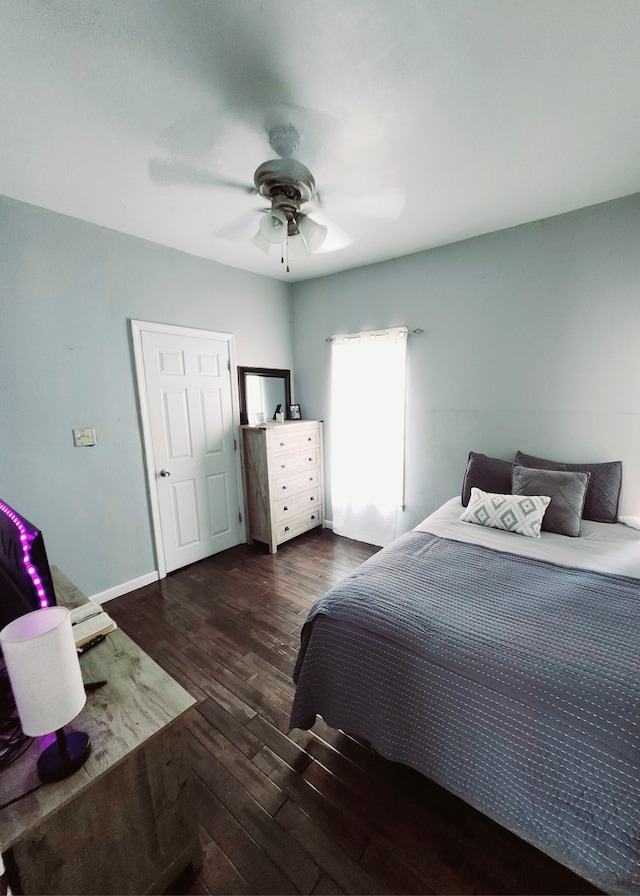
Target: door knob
(165, 473)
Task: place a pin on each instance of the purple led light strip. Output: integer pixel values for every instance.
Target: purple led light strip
(26, 539)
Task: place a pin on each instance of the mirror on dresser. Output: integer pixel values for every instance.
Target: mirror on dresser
(261, 390)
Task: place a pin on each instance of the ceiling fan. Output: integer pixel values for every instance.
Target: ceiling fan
(287, 184)
(288, 190)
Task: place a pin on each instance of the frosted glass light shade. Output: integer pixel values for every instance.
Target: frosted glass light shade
(297, 248)
(261, 242)
(273, 226)
(314, 234)
(40, 653)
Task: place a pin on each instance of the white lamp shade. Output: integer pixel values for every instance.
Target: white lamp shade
(261, 242)
(273, 226)
(44, 669)
(314, 234)
(296, 247)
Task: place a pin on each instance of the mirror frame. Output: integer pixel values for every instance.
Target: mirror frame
(262, 371)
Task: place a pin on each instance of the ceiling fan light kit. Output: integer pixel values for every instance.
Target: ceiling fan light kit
(261, 242)
(287, 184)
(283, 185)
(296, 247)
(314, 234)
(273, 226)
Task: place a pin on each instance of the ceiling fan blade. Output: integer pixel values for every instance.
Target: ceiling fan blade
(171, 172)
(385, 204)
(243, 137)
(240, 229)
(312, 132)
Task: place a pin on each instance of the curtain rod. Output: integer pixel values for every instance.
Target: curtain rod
(417, 332)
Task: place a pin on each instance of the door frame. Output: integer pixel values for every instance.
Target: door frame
(137, 328)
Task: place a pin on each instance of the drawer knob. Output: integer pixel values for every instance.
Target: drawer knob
(283, 466)
(312, 498)
(285, 508)
(310, 460)
(284, 488)
(309, 439)
(286, 528)
(282, 444)
(313, 516)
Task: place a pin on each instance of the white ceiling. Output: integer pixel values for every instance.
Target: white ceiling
(452, 117)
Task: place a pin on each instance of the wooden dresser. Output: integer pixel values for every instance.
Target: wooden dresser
(283, 480)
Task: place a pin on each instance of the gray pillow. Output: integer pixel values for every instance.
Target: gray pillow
(487, 473)
(566, 490)
(603, 493)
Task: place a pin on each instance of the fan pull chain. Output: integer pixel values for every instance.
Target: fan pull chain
(285, 243)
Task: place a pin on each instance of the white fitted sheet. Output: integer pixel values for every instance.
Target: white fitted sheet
(605, 547)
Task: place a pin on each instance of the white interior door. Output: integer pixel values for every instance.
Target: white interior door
(187, 394)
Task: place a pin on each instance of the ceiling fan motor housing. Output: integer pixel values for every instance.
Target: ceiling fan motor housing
(287, 184)
(285, 178)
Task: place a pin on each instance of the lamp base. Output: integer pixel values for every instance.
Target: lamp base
(64, 756)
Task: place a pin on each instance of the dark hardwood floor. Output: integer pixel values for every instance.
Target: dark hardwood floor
(303, 811)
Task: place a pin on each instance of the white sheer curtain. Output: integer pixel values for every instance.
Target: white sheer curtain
(368, 373)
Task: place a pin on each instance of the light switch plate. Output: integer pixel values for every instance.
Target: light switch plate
(85, 437)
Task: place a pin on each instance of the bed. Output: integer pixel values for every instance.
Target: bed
(502, 667)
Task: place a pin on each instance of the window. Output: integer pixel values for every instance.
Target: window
(367, 433)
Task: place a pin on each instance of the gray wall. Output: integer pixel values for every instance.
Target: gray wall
(532, 341)
(67, 292)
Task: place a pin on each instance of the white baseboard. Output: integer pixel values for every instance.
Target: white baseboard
(118, 590)
(125, 587)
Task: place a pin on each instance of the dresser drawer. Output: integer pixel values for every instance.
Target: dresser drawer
(296, 525)
(292, 506)
(281, 442)
(295, 463)
(292, 483)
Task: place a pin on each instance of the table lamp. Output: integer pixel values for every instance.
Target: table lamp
(44, 671)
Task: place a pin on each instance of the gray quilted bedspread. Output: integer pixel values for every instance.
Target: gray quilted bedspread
(512, 682)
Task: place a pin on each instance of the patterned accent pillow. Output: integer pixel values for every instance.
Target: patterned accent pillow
(567, 490)
(521, 514)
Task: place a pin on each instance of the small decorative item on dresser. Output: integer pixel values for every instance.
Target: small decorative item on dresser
(294, 412)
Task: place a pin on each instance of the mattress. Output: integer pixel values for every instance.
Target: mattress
(504, 668)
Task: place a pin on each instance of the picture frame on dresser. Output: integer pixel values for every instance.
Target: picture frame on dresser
(294, 412)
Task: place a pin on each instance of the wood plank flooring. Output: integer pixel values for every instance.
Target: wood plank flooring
(303, 811)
